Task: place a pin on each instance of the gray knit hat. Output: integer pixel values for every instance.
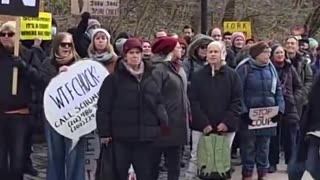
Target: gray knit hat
(119, 45)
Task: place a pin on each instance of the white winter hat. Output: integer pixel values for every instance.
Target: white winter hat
(96, 31)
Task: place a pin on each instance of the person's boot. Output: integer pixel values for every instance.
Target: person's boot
(262, 176)
(272, 169)
(247, 176)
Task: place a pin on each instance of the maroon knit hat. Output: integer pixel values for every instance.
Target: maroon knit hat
(132, 43)
(164, 45)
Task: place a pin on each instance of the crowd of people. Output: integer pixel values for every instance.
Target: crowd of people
(164, 94)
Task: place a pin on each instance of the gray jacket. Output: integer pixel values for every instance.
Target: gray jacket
(174, 90)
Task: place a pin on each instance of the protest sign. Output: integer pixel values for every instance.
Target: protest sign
(36, 27)
(261, 117)
(238, 26)
(70, 100)
(96, 7)
(19, 7)
(92, 153)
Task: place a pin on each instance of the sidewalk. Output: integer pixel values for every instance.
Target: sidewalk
(40, 162)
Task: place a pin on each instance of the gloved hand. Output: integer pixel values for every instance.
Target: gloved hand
(85, 16)
(277, 118)
(245, 118)
(19, 63)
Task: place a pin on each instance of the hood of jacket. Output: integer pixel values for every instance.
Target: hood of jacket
(196, 43)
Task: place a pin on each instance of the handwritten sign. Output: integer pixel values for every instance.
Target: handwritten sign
(96, 7)
(70, 100)
(238, 26)
(261, 117)
(33, 27)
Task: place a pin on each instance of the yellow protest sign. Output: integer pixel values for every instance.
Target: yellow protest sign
(238, 26)
(33, 27)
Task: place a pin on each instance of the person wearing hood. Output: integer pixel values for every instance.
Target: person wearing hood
(83, 34)
(167, 60)
(303, 68)
(130, 113)
(197, 53)
(215, 110)
(292, 92)
(261, 88)
(101, 50)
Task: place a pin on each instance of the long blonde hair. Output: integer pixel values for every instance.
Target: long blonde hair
(57, 41)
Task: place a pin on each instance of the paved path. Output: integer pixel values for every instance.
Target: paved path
(40, 160)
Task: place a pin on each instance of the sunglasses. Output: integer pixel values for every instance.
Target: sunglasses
(204, 46)
(10, 34)
(65, 45)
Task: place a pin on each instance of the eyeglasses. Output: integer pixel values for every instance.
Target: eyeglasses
(10, 34)
(216, 35)
(65, 45)
(204, 46)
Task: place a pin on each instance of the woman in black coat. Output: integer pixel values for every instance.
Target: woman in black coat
(130, 112)
(214, 95)
(292, 91)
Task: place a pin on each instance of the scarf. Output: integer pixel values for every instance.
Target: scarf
(137, 74)
(64, 60)
(104, 58)
(270, 66)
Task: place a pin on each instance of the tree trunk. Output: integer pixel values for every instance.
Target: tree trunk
(229, 11)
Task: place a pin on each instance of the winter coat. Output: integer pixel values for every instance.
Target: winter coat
(215, 100)
(23, 99)
(174, 93)
(257, 92)
(304, 70)
(194, 63)
(128, 109)
(292, 92)
(231, 57)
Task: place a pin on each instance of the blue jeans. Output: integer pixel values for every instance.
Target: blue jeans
(254, 149)
(62, 164)
(297, 169)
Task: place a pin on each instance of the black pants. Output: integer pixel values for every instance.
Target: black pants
(173, 158)
(14, 130)
(286, 138)
(135, 153)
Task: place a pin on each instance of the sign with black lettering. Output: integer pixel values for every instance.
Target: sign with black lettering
(92, 154)
(36, 27)
(96, 7)
(261, 117)
(70, 100)
(20, 7)
(238, 26)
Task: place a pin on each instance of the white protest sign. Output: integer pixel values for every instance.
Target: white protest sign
(92, 154)
(70, 100)
(261, 117)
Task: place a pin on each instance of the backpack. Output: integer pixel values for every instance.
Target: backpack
(214, 160)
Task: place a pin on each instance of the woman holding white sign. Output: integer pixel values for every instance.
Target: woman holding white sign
(215, 100)
(262, 96)
(63, 163)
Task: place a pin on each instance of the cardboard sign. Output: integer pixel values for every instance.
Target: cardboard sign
(92, 153)
(20, 7)
(96, 7)
(70, 100)
(238, 26)
(33, 27)
(261, 117)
